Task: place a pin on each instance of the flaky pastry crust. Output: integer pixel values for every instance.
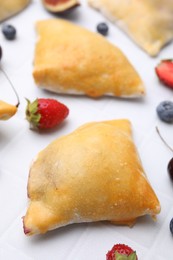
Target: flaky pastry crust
(72, 60)
(92, 174)
(9, 8)
(148, 22)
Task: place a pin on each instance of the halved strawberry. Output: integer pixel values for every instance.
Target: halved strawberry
(121, 252)
(164, 72)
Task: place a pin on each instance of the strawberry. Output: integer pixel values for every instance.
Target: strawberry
(121, 252)
(165, 72)
(45, 113)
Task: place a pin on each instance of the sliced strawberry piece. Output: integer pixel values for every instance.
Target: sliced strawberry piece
(164, 72)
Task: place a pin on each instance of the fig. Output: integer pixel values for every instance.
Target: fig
(59, 6)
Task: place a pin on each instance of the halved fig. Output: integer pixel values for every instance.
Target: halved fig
(60, 6)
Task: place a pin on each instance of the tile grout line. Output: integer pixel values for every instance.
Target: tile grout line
(160, 233)
(12, 140)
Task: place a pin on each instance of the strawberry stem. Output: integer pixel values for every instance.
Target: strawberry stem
(163, 140)
(17, 96)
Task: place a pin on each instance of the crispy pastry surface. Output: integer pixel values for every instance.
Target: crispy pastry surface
(72, 60)
(92, 174)
(148, 23)
(9, 8)
(6, 110)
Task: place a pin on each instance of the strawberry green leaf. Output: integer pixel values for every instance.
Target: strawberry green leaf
(32, 114)
(120, 257)
(33, 107)
(132, 256)
(35, 118)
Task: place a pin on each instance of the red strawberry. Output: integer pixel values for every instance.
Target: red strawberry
(121, 252)
(165, 72)
(45, 113)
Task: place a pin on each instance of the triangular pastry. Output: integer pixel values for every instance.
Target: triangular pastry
(92, 174)
(7, 110)
(148, 22)
(72, 60)
(9, 8)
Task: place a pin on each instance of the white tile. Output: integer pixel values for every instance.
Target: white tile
(163, 243)
(98, 240)
(155, 157)
(9, 130)
(7, 253)
(12, 198)
(55, 244)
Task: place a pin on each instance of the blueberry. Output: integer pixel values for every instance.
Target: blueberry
(9, 31)
(165, 111)
(171, 226)
(102, 28)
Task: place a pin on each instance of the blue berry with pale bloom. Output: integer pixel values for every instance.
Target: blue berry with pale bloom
(165, 111)
(9, 31)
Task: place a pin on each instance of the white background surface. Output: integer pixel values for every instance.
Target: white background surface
(19, 145)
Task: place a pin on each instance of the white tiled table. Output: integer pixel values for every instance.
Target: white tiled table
(19, 145)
